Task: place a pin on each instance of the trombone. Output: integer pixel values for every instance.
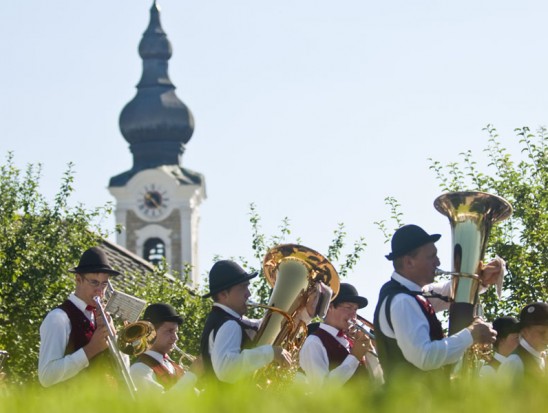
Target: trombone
(363, 325)
(116, 355)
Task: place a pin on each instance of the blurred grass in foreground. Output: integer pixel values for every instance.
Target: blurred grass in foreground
(406, 396)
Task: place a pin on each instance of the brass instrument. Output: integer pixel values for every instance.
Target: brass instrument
(294, 272)
(135, 338)
(114, 351)
(189, 358)
(471, 215)
(363, 325)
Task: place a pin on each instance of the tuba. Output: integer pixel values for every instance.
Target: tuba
(471, 215)
(295, 272)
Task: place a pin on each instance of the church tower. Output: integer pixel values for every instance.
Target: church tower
(158, 200)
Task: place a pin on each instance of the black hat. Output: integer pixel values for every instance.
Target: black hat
(225, 274)
(505, 325)
(94, 260)
(408, 238)
(534, 314)
(160, 312)
(349, 294)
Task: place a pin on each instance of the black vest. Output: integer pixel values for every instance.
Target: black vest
(390, 355)
(216, 318)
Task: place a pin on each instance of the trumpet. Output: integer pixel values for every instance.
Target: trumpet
(114, 351)
(184, 356)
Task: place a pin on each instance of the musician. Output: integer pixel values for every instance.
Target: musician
(227, 332)
(528, 361)
(408, 335)
(71, 336)
(154, 370)
(329, 356)
(507, 329)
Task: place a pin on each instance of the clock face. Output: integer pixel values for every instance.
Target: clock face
(153, 201)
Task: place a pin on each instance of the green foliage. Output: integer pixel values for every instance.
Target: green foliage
(410, 396)
(522, 240)
(38, 242)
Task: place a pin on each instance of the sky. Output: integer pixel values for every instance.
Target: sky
(313, 110)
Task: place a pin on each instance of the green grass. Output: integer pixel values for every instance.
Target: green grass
(412, 395)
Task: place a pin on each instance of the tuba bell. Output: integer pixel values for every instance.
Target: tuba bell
(295, 272)
(471, 215)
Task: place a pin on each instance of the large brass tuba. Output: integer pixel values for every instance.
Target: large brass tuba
(471, 215)
(294, 271)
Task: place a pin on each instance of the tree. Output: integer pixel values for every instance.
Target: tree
(521, 240)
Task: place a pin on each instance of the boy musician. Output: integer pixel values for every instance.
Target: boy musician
(154, 370)
(328, 356)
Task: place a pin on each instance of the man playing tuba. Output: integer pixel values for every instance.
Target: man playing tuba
(409, 337)
(227, 332)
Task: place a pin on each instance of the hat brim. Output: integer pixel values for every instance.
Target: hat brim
(356, 299)
(232, 283)
(93, 270)
(399, 253)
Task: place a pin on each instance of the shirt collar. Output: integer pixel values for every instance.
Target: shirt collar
(499, 357)
(79, 303)
(406, 282)
(155, 355)
(530, 349)
(330, 329)
(228, 310)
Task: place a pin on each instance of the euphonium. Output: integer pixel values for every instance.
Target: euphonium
(294, 272)
(471, 215)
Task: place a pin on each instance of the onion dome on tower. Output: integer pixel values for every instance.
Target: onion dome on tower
(156, 123)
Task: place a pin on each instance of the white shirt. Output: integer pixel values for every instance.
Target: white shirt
(314, 361)
(412, 331)
(230, 362)
(489, 371)
(145, 379)
(513, 365)
(53, 365)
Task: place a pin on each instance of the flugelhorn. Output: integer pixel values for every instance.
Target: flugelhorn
(471, 215)
(115, 352)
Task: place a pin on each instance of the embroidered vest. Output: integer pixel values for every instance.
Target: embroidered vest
(337, 353)
(81, 331)
(390, 355)
(161, 372)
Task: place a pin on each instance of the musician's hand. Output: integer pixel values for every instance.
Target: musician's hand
(197, 366)
(312, 301)
(282, 356)
(362, 344)
(98, 342)
(482, 332)
(492, 273)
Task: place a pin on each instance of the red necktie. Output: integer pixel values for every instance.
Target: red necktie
(341, 334)
(92, 310)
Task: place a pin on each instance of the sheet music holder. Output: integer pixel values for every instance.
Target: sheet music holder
(125, 306)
